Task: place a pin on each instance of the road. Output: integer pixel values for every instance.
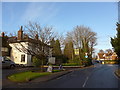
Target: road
(99, 76)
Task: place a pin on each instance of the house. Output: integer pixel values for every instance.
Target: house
(76, 51)
(5, 48)
(107, 56)
(22, 47)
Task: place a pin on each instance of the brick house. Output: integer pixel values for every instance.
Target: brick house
(107, 56)
(5, 48)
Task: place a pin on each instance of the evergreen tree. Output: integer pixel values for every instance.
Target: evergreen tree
(52, 44)
(66, 50)
(69, 50)
(57, 48)
(116, 41)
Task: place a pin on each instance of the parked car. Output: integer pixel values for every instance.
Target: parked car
(7, 63)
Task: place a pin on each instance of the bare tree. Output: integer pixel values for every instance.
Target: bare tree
(83, 39)
(108, 51)
(101, 51)
(37, 40)
(45, 34)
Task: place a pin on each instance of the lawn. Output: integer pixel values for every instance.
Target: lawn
(57, 71)
(27, 76)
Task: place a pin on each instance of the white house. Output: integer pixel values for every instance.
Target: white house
(20, 46)
(18, 56)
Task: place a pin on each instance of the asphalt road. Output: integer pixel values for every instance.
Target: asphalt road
(99, 76)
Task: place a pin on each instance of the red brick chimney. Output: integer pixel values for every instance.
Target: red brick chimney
(3, 34)
(20, 34)
(36, 36)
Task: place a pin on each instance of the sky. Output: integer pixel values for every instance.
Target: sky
(101, 17)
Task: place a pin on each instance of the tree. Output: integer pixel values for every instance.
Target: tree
(57, 48)
(85, 40)
(57, 51)
(101, 51)
(69, 50)
(109, 51)
(52, 44)
(116, 41)
(38, 39)
(45, 34)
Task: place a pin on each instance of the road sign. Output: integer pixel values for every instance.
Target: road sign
(51, 60)
(86, 56)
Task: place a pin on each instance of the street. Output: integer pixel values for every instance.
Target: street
(99, 76)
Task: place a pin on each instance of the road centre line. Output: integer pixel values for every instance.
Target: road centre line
(85, 82)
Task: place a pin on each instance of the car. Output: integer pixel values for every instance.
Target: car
(7, 63)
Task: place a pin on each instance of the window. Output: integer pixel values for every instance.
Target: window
(22, 58)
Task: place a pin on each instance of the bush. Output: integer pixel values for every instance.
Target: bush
(71, 64)
(87, 62)
(36, 62)
(61, 59)
(76, 61)
(111, 61)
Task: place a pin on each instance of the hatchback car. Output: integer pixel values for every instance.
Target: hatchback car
(7, 63)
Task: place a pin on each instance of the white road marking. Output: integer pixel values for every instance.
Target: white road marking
(85, 82)
(116, 76)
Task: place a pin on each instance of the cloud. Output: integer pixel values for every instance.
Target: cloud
(39, 11)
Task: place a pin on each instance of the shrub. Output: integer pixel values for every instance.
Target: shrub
(71, 64)
(36, 61)
(76, 61)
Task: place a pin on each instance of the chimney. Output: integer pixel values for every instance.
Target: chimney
(3, 34)
(20, 34)
(36, 36)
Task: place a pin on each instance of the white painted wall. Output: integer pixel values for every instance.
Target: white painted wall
(16, 54)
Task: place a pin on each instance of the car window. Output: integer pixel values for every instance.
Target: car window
(7, 60)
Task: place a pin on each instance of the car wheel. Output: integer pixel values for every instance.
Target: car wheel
(12, 66)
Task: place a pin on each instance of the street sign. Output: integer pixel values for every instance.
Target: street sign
(51, 60)
(86, 56)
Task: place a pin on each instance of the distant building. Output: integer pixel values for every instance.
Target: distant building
(107, 56)
(76, 51)
(5, 48)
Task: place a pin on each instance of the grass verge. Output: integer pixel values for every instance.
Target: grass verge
(57, 70)
(70, 64)
(26, 76)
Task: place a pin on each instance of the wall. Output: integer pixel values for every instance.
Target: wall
(16, 54)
